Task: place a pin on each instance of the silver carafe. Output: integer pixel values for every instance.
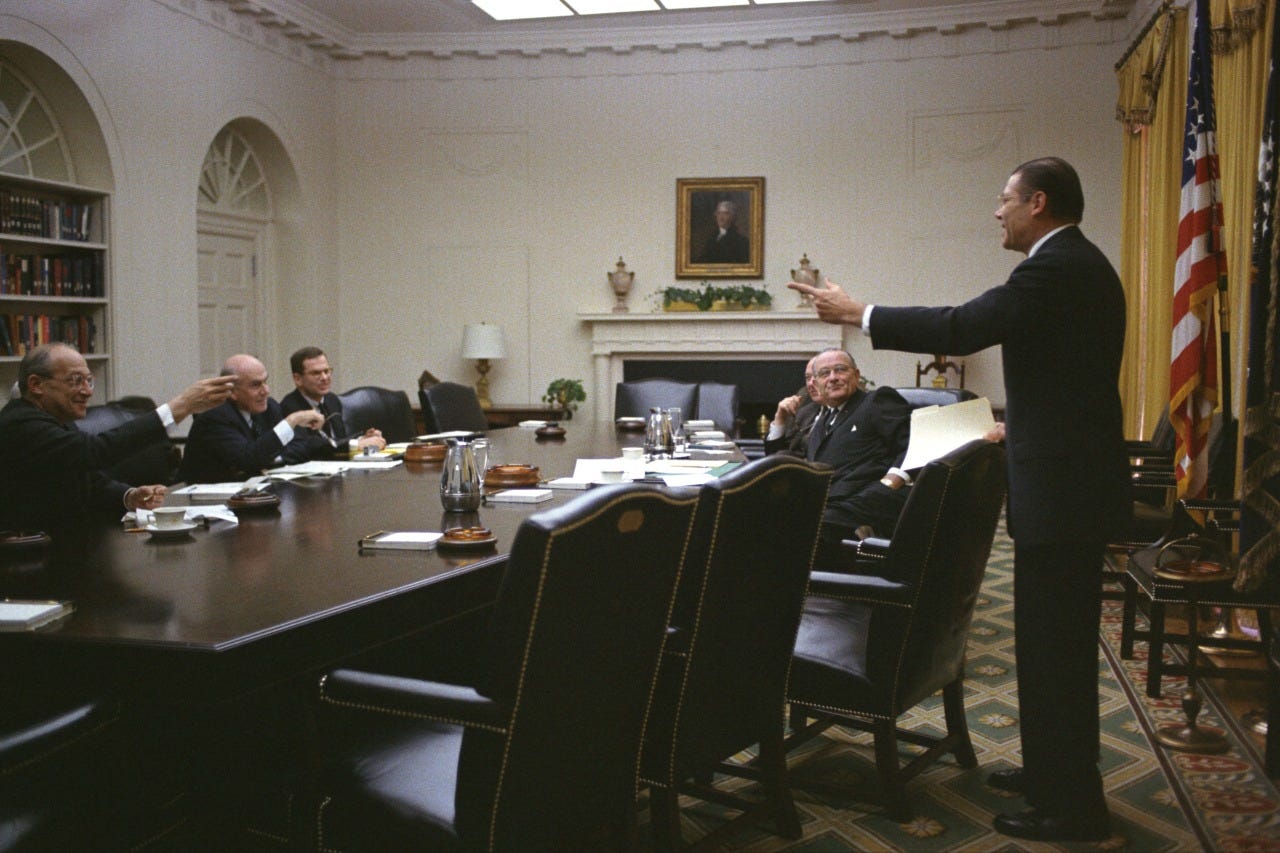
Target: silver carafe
(460, 479)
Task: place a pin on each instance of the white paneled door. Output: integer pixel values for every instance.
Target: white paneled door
(228, 297)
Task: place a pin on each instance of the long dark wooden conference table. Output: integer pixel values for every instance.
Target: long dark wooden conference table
(233, 609)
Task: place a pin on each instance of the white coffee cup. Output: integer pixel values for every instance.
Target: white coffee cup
(168, 517)
(611, 475)
(633, 453)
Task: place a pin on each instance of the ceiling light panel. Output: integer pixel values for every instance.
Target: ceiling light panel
(515, 10)
(701, 4)
(611, 7)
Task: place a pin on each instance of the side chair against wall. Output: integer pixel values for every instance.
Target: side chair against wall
(873, 646)
(383, 408)
(722, 682)
(635, 399)
(448, 406)
(541, 752)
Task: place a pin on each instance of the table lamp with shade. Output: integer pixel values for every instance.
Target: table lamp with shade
(483, 342)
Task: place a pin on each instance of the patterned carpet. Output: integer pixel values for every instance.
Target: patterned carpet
(1160, 800)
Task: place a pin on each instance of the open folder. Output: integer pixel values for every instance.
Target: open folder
(938, 430)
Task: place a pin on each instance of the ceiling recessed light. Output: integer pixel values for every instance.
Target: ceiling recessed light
(514, 10)
(610, 7)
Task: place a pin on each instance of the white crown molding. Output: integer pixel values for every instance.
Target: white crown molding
(291, 27)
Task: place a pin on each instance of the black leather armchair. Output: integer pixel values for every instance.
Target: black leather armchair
(155, 463)
(541, 752)
(448, 406)
(871, 647)
(56, 789)
(722, 684)
(382, 408)
(635, 399)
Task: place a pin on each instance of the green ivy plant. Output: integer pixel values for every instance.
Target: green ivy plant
(707, 294)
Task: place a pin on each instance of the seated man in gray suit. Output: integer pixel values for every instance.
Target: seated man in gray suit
(247, 433)
(313, 389)
(863, 435)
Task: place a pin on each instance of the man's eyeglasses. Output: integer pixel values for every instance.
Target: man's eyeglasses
(1005, 199)
(840, 369)
(328, 371)
(76, 381)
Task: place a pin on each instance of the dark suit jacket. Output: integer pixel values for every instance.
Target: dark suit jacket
(795, 438)
(52, 474)
(868, 437)
(1059, 321)
(222, 448)
(317, 446)
(732, 248)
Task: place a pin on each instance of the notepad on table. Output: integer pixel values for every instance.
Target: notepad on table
(402, 540)
(19, 615)
(520, 496)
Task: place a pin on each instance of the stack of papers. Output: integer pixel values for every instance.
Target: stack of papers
(938, 430)
(20, 615)
(522, 496)
(402, 540)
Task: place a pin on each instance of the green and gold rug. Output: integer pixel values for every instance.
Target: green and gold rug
(1160, 800)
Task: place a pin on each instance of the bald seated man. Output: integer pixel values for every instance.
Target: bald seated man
(52, 478)
(248, 432)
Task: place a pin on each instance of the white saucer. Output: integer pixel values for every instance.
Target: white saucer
(174, 532)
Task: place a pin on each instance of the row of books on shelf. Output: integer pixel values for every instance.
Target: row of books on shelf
(33, 216)
(22, 332)
(51, 275)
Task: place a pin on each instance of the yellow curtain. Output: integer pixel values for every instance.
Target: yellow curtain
(1153, 124)
(1153, 88)
(1239, 91)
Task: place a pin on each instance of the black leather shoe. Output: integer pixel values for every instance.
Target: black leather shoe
(1007, 780)
(1035, 825)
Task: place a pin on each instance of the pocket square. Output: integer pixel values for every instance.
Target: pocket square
(853, 428)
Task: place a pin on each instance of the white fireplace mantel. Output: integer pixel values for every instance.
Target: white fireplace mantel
(699, 336)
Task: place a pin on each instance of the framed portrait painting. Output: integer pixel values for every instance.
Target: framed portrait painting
(720, 228)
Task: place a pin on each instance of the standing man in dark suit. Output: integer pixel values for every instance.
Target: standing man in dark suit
(247, 433)
(52, 477)
(313, 389)
(1059, 320)
(863, 436)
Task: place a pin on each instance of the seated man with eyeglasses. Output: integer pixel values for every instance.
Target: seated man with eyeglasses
(52, 476)
(313, 381)
(863, 435)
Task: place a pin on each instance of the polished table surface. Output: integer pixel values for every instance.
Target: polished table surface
(235, 608)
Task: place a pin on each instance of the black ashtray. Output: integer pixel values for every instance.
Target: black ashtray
(551, 429)
(253, 501)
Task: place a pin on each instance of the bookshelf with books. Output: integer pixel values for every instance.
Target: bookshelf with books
(54, 282)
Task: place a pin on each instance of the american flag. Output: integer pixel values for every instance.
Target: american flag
(1193, 370)
(1260, 513)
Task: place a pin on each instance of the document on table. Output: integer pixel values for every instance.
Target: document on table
(327, 468)
(938, 430)
(210, 490)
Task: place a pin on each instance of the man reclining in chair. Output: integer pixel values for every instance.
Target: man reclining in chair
(863, 435)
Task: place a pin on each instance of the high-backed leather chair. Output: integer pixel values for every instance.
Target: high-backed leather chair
(635, 399)
(872, 646)
(541, 752)
(722, 685)
(56, 784)
(155, 463)
(387, 410)
(448, 406)
(718, 402)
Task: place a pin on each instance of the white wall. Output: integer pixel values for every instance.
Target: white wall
(436, 192)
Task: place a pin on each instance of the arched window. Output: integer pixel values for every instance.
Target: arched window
(31, 142)
(232, 179)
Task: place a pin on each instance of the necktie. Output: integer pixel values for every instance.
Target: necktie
(327, 429)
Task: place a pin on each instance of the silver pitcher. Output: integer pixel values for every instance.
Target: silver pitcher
(460, 478)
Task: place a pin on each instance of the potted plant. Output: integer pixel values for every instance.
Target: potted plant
(565, 394)
(681, 299)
